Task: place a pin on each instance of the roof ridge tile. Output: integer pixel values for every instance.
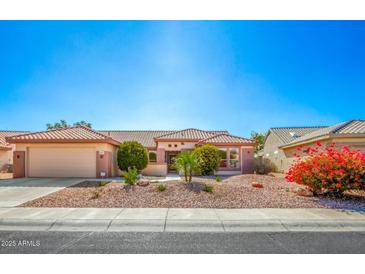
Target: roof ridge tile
(78, 132)
(298, 127)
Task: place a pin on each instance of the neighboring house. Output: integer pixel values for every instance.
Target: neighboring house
(83, 152)
(281, 143)
(278, 136)
(6, 149)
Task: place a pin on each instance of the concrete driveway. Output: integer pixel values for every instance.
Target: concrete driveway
(14, 192)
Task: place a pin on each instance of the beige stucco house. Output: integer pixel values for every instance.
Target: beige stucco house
(281, 143)
(83, 152)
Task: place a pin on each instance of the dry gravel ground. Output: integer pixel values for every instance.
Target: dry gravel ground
(233, 192)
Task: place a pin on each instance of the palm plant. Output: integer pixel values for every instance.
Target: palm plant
(187, 163)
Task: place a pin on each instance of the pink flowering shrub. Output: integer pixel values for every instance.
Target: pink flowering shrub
(329, 170)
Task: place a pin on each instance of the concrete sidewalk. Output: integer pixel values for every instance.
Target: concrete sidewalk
(180, 219)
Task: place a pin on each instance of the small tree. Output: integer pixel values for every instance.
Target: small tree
(130, 176)
(64, 124)
(208, 158)
(259, 139)
(132, 154)
(187, 162)
(60, 124)
(83, 123)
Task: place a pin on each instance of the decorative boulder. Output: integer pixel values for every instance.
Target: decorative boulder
(304, 192)
(143, 183)
(257, 185)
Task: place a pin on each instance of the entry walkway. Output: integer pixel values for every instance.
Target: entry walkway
(180, 219)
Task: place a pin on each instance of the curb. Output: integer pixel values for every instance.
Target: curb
(162, 225)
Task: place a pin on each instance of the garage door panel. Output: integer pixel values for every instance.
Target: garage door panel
(62, 162)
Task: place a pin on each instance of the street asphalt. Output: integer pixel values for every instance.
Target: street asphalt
(37, 242)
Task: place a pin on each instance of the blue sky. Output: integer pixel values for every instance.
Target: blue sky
(234, 75)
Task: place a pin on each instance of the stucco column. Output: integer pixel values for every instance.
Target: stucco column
(103, 164)
(160, 156)
(247, 158)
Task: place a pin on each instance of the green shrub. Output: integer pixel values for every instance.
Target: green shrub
(208, 158)
(103, 184)
(130, 177)
(96, 194)
(161, 187)
(132, 155)
(263, 166)
(218, 179)
(208, 189)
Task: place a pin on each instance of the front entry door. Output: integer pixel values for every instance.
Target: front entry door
(171, 156)
(18, 164)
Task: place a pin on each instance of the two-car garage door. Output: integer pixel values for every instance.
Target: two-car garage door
(62, 162)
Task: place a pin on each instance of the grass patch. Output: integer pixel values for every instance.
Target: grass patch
(96, 194)
(101, 184)
(161, 188)
(208, 189)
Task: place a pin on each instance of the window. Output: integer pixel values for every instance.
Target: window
(152, 156)
(234, 157)
(175, 145)
(223, 154)
(169, 145)
(230, 158)
(182, 143)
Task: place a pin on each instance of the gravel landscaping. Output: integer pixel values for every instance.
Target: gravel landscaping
(232, 192)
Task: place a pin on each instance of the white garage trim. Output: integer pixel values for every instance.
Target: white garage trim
(61, 162)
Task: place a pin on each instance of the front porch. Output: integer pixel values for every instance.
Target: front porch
(234, 159)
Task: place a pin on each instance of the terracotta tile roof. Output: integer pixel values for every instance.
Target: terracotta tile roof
(71, 134)
(6, 133)
(227, 139)
(144, 137)
(190, 134)
(344, 129)
(287, 134)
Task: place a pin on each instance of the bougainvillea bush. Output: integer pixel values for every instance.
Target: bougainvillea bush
(329, 170)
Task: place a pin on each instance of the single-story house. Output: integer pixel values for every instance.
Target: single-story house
(6, 149)
(281, 143)
(83, 152)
